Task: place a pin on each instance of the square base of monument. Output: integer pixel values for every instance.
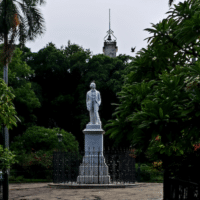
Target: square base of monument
(93, 179)
(93, 170)
(93, 126)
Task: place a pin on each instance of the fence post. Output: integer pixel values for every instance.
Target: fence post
(167, 184)
(5, 171)
(164, 185)
(53, 167)
(199, 189)
(98, 167)
(5, 185)
(190, 191)
(139, 170)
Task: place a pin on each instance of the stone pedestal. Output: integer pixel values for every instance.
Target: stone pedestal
(92, 167)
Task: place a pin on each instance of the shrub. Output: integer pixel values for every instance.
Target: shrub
(7, 158)
(35, 147)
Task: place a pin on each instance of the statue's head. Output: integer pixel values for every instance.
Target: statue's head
(92, 85)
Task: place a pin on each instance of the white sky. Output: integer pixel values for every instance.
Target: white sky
(85, 22)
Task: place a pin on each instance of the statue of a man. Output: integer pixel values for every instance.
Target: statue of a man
(93, 101)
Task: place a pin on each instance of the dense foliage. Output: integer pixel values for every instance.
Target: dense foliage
(156, 95)
(25, 100)
(36, 146)
(25, 25)
(7, 110)
(54, 95)
(157, 98)
(61, 80)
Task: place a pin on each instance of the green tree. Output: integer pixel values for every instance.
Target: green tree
(30, 25)
(7, 117)
(7, 158)
(61, 80)
(7, 110)
(53, 85)
(151, 85)
(25, 98)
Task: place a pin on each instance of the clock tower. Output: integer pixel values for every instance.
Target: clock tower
(110, 48)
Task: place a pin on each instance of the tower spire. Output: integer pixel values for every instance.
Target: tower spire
(109, 31)
(110, 48)
(109, 19)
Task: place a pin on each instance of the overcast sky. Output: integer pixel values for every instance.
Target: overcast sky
(85, 22)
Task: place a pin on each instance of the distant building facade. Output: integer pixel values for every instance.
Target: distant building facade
(110, 49)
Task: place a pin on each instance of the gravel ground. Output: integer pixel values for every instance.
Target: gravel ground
(41, 191)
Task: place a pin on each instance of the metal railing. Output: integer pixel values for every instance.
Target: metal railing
(176, 188)
(120, 165)
(1, 185)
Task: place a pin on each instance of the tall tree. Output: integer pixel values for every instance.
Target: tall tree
(30, 25)
(150, 83)
(61, 80)
(25, 98)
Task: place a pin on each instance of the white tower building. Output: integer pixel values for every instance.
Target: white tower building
(110, 48)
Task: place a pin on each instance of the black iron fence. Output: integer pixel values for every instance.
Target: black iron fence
(178, 189)
(182, 179)
(121, 166)
(1, 185)
(65, 167)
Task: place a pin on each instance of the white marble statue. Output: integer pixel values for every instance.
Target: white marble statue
(93, 101)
